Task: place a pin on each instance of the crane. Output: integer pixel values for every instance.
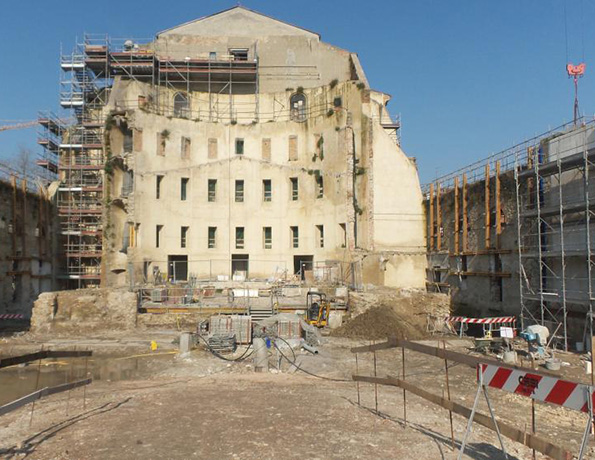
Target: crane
(22, 125)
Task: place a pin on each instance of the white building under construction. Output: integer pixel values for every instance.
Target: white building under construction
(235, 145)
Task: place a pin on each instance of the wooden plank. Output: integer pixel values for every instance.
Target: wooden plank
(487, 207)
(498, 206)
(528, 439)
(465, 221)
(14, 215)
(456, 217)
(431, 219)
(6, 408)
(469, 360)
(438, 219)
(14, 360)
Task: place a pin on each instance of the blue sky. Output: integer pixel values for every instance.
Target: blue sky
(469, 77)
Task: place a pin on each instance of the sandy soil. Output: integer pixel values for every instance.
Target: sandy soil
(203, 407)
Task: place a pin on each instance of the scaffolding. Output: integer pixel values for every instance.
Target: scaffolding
(76, 151)
(552, 210)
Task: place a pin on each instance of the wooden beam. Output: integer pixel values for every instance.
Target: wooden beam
(526, 438)
(456, 222)
(438, 219)
(498, 206)
(13, 182)
(465, 219)
(431, 220)
(487, 207)
(24, 218)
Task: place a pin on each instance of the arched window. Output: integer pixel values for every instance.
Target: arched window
(297, 107)
(181, 105)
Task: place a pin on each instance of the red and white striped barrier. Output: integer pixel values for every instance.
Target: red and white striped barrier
(497, 320)
(11, 316)
(539, 387)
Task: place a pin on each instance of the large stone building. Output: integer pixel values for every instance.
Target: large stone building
(233, 145)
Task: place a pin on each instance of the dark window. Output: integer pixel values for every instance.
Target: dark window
(158, 180)
(319, 187)
(183, 235)
(239, 146)
(239, 54)
(212, 190)
(320, 236)
(239, 237)
(294, 188)
(239, 191)
(295, 237)
(337, 102)
(212, 237)
(267, 190)
(267, 237)
(158, 229)
(184, 188)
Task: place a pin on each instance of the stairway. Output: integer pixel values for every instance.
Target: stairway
(259, 312)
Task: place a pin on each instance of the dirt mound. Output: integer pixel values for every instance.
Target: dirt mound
(381, 322)
(384, 313)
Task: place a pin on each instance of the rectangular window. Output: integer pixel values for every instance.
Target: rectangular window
(212, 190)
(212, 154)
(239, 54)
(185, 148)
(266, 149)
(183, 235)
(320, 236)
(184, 188)
(267, 237)
(295, 237)
(239, 146)
(158, 230)
(239, 191)
(293, 148)
(267, 190)
(213, 55)
(319, 187)
(161, 139)
(158, 180)
(343, 235)
(239, 237)
(294, 188)
(212, 244)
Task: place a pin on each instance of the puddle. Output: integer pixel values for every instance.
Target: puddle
(18, 381)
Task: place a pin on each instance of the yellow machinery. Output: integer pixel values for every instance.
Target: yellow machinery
(317, 309)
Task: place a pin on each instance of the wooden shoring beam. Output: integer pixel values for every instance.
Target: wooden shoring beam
(13, 182)
(438, 219)
(24, 219)
(465, 217)
(431, 218)
(487, 206)
(528, 439)
(498, 206)
(456, 217)
(40, 217)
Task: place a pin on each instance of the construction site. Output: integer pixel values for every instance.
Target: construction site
(224, 252)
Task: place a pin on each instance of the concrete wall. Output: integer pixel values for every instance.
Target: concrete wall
(27, 242)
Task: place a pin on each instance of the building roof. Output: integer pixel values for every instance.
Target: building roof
(237, 21)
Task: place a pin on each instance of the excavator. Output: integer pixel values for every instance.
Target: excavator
(318, 308)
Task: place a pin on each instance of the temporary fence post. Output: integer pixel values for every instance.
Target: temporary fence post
(533, 422)
(375, 385)
(357, 381)
(452, 432)
(69, 379)
(589, 423)
(85, 386)
(36, 388)
(404, 392)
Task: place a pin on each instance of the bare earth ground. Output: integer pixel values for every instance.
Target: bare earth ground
(202, 407)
